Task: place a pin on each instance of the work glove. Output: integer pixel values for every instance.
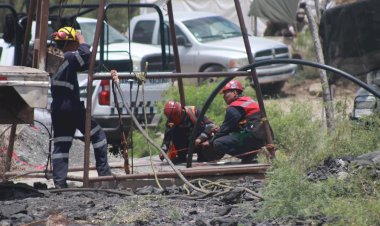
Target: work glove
(165, 149)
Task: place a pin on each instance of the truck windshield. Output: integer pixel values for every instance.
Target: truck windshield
(208, 29)
(111, 35)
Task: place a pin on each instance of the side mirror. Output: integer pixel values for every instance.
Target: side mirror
(181, 41)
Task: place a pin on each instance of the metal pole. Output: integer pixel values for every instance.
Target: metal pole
(259, 95)
(44, 17)
(98, 31)
(36, 46)
(153, 75)
(175, 50)
(8, 161)
(31, 10)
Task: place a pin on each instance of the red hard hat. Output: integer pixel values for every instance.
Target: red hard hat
(173, 112)
(234, 85)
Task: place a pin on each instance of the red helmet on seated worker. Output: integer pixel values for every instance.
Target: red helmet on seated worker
(65, 34)
(233, 85)
(173, 112)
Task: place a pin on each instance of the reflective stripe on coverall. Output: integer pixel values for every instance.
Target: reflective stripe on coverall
(68, 114)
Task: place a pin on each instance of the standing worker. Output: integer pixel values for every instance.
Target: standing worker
(179, 125)
(242, 130)
(67, 111)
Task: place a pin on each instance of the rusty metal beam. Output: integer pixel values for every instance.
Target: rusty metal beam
(251, 60)
(98, 31)
(126, 75)
(8, 157)
(175, 51)
(201, 171)
(31, 10)
(259, 170)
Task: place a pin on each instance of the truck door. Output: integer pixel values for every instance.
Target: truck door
(186, 53)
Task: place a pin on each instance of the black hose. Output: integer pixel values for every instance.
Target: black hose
(49, 154)
(259, 64)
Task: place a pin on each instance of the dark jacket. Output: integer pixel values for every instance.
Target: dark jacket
(187, 124)
(64, 83)
(243, 114)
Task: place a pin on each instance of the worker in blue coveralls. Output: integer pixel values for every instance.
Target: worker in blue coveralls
(67, 111)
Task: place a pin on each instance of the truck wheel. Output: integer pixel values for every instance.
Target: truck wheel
(212, 68)
(271, 89)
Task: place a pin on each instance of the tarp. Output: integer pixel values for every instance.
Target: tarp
(275, 10)
(225, 8)
(350, 36)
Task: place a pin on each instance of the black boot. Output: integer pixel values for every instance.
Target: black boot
(179, 159)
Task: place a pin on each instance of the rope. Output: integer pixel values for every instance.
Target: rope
(224, 185)
(122, 135)
(137, 124)
(142, 79)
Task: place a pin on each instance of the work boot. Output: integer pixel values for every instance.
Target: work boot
(178, 160)
(60, 186)
(201, 159)
(251, 159)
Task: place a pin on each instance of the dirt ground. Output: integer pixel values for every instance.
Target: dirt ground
(22, 204)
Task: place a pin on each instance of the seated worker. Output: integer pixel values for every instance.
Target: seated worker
(179, 125)
(242, 130)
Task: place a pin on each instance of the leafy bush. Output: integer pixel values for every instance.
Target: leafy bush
(303, 143)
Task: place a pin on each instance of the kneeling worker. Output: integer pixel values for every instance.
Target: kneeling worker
(242, 130)
(180, 123)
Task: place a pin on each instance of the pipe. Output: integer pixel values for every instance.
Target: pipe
(98, 31)
(317, 65)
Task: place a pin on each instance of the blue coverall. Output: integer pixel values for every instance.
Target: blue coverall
(68, 114)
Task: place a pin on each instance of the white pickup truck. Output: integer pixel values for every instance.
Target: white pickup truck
(209, 42)
(117, 54)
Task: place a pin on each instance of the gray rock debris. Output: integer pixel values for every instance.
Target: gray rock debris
(341, 168)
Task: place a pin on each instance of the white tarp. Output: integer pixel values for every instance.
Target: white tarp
(275, 10)
(225, 8)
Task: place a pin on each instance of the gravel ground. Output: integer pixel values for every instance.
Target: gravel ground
(144, 206)
(22, 204)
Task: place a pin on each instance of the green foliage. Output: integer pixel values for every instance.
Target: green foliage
(355, 212)
(297, 133)
(304, 46)
(303, 143)
(141, 146)
(287, 193)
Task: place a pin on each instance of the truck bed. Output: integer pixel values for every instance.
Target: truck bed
(21, 90)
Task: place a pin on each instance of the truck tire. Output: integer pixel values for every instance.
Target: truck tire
(271, 89)
(211, 68)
